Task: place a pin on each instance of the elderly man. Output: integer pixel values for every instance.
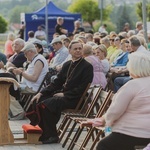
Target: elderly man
(36, 71)
(64, 93)
(77, 27)
(18, 58)
(61, 52)
(40, 34)
(139, 26)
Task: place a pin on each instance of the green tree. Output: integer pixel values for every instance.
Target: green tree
(3, 25)
(124, 17)
(15, 13)
(139, 10)
(88, 9)
(110, 26)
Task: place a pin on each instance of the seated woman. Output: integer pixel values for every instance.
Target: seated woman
(101, 52)
(129, 113)
(99, 76)
(117, 43)
(122, 58)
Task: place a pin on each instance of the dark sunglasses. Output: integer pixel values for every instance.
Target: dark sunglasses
(112, 40)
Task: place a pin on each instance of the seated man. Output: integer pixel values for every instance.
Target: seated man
(18, 58)
(3, 58)
(64, 93)
(36, 71)
(61, 53)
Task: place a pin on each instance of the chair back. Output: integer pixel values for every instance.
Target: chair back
(82, 100)
(105, 104)
(26, 97)
(94, 98)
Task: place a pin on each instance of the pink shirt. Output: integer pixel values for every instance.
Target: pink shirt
(8, 48)
(129, 112)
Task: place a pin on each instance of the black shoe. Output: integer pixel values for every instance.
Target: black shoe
(51, 140)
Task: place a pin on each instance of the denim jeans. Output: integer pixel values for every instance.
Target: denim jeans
(120, 81)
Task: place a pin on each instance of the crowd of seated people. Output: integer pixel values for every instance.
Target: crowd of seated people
(107, 53)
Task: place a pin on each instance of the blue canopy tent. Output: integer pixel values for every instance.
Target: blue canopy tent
(33, 20)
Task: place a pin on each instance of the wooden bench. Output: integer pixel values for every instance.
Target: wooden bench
(6, 136)
(32, 133)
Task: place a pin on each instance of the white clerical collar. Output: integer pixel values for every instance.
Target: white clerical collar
(76, 59)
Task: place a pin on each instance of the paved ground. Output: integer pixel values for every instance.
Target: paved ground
(16, 128)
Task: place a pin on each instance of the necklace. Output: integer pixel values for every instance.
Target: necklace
(69, 73)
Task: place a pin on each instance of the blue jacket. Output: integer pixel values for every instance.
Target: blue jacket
(121, 60)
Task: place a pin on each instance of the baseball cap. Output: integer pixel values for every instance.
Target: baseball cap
(37, 42)
(62, 37)
(55, 40)
(28, 46)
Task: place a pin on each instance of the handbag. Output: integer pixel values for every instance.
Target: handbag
(33, 114)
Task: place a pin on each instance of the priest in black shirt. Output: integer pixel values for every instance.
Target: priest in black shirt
(64, 93)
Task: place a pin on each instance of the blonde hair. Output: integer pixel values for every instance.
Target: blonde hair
(11, 36)
(139, 64)
(103, 48)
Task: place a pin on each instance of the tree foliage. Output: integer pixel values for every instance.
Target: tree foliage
(15, 13)
(3, 25)
(139, 10)
(89, 10)
(14, 16)
(124, 17)
(110, 26)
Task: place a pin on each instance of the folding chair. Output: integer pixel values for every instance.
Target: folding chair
(109, 81)
(99, 130)
(81, 101)
(26, 97)
(101, 111)
(78, 110)
(93, 92)
(100, 97)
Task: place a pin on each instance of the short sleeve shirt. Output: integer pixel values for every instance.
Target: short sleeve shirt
(58, 29)
(19, 59)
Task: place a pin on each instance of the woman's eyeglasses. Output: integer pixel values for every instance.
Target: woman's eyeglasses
(117, 39)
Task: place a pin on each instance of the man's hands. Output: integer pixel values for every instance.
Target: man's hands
(17, 71)
(36, 98)
(59, 95)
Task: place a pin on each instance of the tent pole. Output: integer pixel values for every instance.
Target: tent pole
(46, 21)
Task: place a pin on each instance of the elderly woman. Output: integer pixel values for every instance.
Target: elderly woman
(99, 77)
(129, 113)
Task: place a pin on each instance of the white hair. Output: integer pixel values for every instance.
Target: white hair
(139, 64)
